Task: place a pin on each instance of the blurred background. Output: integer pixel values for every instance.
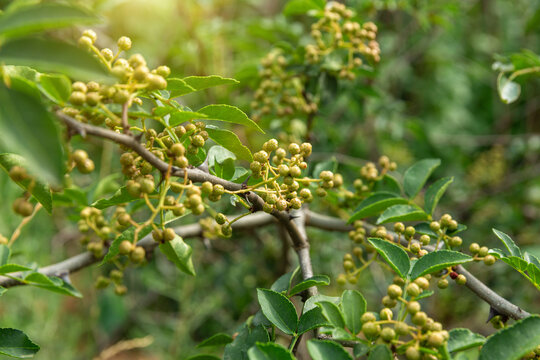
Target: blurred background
(432, 95)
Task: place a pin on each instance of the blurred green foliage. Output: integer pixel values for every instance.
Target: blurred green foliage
(433, 96)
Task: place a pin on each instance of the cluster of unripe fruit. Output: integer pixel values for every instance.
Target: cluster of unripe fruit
(337, 31)
(82, 161)
(281, 91)
(116, 277)
(391, 328)
(133, 79)
(370, 174)
(283, 187)
(21, 205)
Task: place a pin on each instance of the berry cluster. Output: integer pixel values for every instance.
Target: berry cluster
(370, 174)
(22, 205)
(336, 31)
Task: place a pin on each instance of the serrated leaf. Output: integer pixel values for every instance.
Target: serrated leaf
(514, 341)
(311, 320)
(396, 257)
(269, 351)
(121, 196)
(435, 192)
(301, 7)
(424, 229)
(437, 260)
(229, 114)
(40, 191)
(397, 213)
(332, 313)
(380, 352)
(283, 283)
(5, 252)
(317, 280)
(51, 283)
(416, 176)
(38, 17)
(353, 305)
(374, 204)
(509, 244)
(216, 340)
(179, 117)
(229, 141)
(29, 130)
(54, 56)
(278, 310)
(179, 253)
(205, 82)
(424, 294)
(360, 349)
(246, 338)
(463, 339)
(16, 344)
(388, 184)
(129, 235)
(178, 87)
(312, 301)
(11, 268)
(325, 350)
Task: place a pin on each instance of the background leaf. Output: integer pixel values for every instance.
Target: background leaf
(204, 82)
(416, 176)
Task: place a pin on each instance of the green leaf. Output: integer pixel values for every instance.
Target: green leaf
(396, 257)
(402, 213)
(121, 196)
(279, 310)
(205, 82)
(380, 352)
(510, 245)
(218, 155)
(54, 56)
(332, 313)
(353, 305)
(229, 141)
(325, 350)
(179, 253)
(2, 290)
(311, 320)
(424, 229)
(179, 117)
(4, 254)
(29, 130)
(388, 184)
(40, 191)
(424, 294)
(360, 349)
(509, 91)
(463, 339)
(437, 260)
(283, 283)
(229, 114)
(246, 338)
(269, 351)
(216, 340)
(56, 87)
(311, 302)
(51, 283)
(317, 280)
(374, 204)
(178, 87)
(514, 341)
(128, 234)
(16, 344)
(416, 176)
(39, 17)
(11, 268)
(301, 7)
(435, 192)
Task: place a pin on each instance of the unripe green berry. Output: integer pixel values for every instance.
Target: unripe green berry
(261, 156)
(484, 250)
(409, 231)
(435, 340)
(226, 230)
(163, 71)
(416, 247)
(461, 279)
(388, 302)
(419, 318)
(394, 291)
(367, 317)
(116, 275)
(93, 98)
(124, 43)
(147, 185)
(137, 255)
(198, 141)
(326, 175)
(270, 145)
(125, 247)
(386, 314)
(341, 279)
(401, 328)
(86, 167)
(182, 162)
(218, 189)
(294, 148)
(425, 239)
(77, 98)
(120, 290)
(456, 241)
(79, 86)
(413, 307)
(413, 353)
(220, 219)
(489, 260)
(168, 234)
(474, 248)
(413, 290)
(371, 330)
(442, 284)
(85, 42)
(435, 226)
(121, 96)
(399, 227)
(388, 334)
(207, 187)
(422, 282)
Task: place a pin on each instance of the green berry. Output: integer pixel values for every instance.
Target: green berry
(399, 227)
(484, 250)
(425, 239)
(420, 318)
(18, 173)
(125, 247)
(456, 241)
(413, 353)
(409, 231)
(124, 43)
(442, 284)
(147, 185)
(386, 314)
(77, 98)
(394, 291)
(137, 255)
(435, 226)
(461, 279)
(178, 150)
(402, 328)
(435, 340)
(489, 260)
(388, 334)
(367, 317)
(413, 307)
(163, 71)
(422, 282)
(371, 330)
(168, 234)
(413, 290)
(388, 301)
(474, 248)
